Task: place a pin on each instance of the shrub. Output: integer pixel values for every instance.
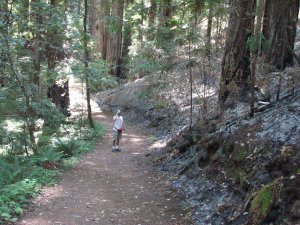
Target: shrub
(13, 197)
(14, 169)
(48, 157)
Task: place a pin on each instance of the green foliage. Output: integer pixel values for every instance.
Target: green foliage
(70, 162)
(146, 94)
(161, 104)
(48, 154)
(298, 170)
(252, 45)
(98, 75)
(44, 176)
(239, 153)
(13, 197)
(145, 62)
(262, 203)
(14, 169)
(88, 134)
(67, 147)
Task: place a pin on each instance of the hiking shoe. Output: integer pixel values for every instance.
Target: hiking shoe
(113, 150)
(118, 150)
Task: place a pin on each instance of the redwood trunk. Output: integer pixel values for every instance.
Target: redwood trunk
(236, 63)
(281, 30)
(114, 46)
(102, 8)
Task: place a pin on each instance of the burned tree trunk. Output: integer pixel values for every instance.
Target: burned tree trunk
(281, 17)
(236, 60)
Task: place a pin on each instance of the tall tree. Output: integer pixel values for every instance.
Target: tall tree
(114, 57)
(236, 63)
(86, 64)
(58, 93)
(164, 34)
(152, 12)
(208, 32)
(280, 22)
(36, 17)
(102, 12)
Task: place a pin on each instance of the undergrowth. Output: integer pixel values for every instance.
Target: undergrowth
(22, 176)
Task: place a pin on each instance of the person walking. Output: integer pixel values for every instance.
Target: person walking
(117, 131)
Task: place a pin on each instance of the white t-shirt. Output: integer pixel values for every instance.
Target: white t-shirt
(118, 122)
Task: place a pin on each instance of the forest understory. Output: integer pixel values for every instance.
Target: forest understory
(214, 85)
(232, 169)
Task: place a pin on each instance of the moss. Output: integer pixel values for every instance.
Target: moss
(240, 153)
(161, 104)
(261, 204)
(228, 148)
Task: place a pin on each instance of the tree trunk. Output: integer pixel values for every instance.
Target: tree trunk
(4, 19)
(102, 12)
(114, 46)
(78, 7)
(164, 34)
(140, 30)
(4, 16)
(208, 33)
(36, 18)
(127, 41)
(58, 94)
(282, 31)
(255, 52)
(152, 13)
(266, 19)
(92, 12)
(236, 62)
(86, 65)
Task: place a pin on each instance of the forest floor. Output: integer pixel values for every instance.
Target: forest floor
(108, 187)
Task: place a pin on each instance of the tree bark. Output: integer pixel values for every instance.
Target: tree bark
(102, 11)
(255, 52)
(236, 62)
(114, 57)
(140, 29)
(281, 30)
(164, 35)
(152, 12)
(92, 12)
(58, 94)
(86, 65)
(36, 18)
(208, 33)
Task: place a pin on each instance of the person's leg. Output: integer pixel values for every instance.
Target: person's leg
(118, 141)
(114, 141)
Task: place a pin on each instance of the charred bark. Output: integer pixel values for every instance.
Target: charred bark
(236, 60)
(280, 28)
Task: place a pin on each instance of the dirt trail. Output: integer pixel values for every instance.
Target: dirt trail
(108, 187)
